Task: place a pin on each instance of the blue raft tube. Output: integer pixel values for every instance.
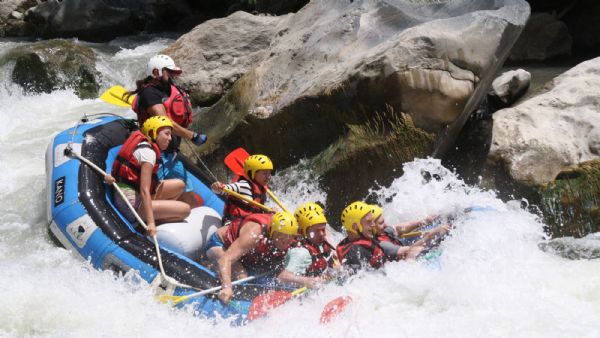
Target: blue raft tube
(83, 218)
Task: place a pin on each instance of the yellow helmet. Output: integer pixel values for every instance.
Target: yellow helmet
(256, 162)
(308, 215)
(353, 213)
(153, 124)
(284, 223)
(376, 210)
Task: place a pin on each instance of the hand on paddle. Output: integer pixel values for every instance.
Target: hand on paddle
(217, 187)
(226, 293)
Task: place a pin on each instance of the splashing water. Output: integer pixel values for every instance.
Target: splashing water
(493, 280)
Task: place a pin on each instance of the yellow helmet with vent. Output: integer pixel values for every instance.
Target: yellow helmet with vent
(376, 210)
(256, 162)
(153, 124)
(308, 215)
(353, 213)
(283, 222)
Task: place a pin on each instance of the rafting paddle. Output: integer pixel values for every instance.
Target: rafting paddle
(235, 162)
(116, 95)
(334, 307)
(264, 303)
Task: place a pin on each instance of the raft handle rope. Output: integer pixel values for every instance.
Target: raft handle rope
(200, 160)
(69, 152)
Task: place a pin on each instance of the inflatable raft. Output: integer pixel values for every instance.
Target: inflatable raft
(83, 218)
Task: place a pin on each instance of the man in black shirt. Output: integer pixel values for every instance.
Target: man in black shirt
(157, 95)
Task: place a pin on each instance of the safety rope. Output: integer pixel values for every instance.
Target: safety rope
(69, 152)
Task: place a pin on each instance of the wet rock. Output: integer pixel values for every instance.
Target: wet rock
(336, 66)
(587, 247)
(218, 52)
(55, 64)
(571, 202)
(543, 38)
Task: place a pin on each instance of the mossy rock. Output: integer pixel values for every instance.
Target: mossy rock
(50, 65)
(373, 151)
(571, 204)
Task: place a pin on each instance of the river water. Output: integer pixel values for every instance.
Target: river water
(492, 280)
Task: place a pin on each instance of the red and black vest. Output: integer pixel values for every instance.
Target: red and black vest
(177, 105)
(236, 210)
(126, 168)
(377, 255)
(265, 255)
(321, 259)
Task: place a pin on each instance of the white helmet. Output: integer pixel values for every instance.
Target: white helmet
(162, 61)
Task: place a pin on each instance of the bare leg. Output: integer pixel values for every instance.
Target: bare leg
(189, 198)
(170, 189)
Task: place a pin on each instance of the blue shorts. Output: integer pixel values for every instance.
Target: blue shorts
(214, 241)
(172, 167)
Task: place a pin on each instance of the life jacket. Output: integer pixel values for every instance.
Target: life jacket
(126, 168)
(236, 210)
(321, 259)
(177, 105)
(377, 255)
(386, 237)
(264, 256)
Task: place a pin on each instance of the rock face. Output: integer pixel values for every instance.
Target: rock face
(218, 52)
(57, 64)
(556, 129)
(104, 20)
(543, 38)
(336, 66)
(79, 18)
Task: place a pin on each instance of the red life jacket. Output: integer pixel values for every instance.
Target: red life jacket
(236, 210)
(377, 255)
(177, 105)
(321, 260)
(265, 255)
(127, 169)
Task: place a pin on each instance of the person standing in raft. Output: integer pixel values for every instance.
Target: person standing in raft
(312, 260)
(253, 184)
(360, 247)
(393, 246)
(135, 170)
(258, 244)
(157, 95)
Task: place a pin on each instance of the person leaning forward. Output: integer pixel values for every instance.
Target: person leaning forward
(359, 248)
(259, 244)
(157, 95)
(312, 259)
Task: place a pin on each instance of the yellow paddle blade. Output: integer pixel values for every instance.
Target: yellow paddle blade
(171, 299)
(116, 95)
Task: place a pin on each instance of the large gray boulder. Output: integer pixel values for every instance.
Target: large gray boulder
(338, 75)
(552, 131)
(218, 52)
